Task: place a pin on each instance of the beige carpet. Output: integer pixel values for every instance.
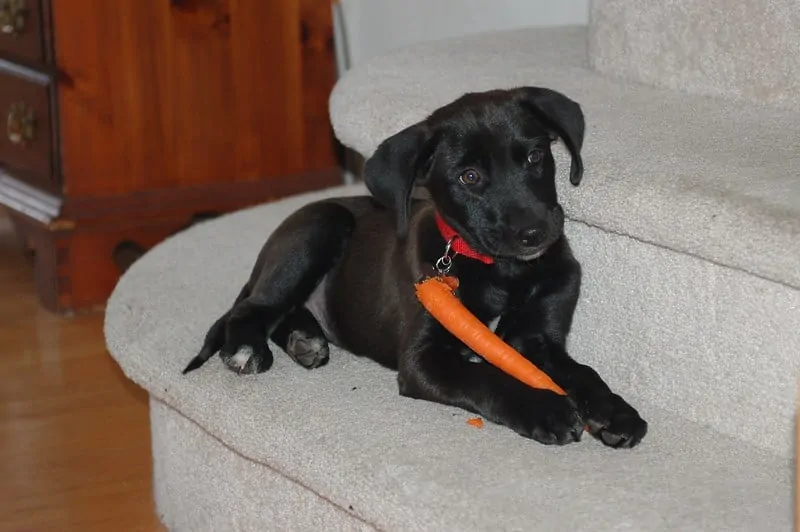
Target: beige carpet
(225, 446)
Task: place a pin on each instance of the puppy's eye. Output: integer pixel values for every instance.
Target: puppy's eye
(535, 157)
(470, 177)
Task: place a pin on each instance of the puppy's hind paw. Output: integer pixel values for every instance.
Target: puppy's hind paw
(240, 360)
(307, 350)
(248, 359)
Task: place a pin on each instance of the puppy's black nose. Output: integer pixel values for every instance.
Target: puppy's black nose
(530, 236)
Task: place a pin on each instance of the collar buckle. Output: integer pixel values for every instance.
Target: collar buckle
(445, 262)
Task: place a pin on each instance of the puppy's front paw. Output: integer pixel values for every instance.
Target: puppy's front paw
(552, 420)
(615, 422)
(247, 359)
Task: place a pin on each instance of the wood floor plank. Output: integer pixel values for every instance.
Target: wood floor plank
(74, 432)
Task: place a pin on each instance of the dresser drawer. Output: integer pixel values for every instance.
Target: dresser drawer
(21, 29)
(26, 125)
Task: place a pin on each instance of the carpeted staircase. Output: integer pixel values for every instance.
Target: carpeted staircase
(688, 227)
(692, 203)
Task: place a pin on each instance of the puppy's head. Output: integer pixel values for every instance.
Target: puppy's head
(486, 160)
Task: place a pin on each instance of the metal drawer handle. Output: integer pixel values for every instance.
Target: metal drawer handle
(12, 16)
(21, 124)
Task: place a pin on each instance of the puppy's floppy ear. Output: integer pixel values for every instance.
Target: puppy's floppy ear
(561, 115)
(399, 162)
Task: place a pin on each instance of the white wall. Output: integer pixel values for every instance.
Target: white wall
(365, 28)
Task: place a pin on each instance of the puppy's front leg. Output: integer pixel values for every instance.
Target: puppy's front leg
(538, 329)
(609, 417)
(434, 368)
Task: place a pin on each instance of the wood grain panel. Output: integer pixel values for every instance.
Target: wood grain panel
(165, 93)
(113, 104)
(319, 76)
(265, 39)
(198, 91)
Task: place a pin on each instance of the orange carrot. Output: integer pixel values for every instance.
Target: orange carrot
(436, 295)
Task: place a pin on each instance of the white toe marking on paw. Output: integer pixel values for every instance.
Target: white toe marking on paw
(317, 344)
(241, 357)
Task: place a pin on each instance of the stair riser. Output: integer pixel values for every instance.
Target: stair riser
(713, 344)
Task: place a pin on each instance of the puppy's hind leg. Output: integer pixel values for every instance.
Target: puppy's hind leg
(290, 266)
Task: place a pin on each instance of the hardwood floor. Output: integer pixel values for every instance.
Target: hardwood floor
(74, 433)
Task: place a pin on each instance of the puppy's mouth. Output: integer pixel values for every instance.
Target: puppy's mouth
(509, 247)
(523, 254)
(534, 253)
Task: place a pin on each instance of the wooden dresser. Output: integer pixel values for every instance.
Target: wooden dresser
(128, 120)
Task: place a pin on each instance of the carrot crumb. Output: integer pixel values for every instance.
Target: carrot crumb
(475, 422)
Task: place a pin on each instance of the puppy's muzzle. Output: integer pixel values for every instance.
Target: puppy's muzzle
(542, 231)
(534, 239)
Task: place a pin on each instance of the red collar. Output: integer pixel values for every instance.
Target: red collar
(459, 245)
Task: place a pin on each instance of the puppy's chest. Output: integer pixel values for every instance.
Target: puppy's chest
(486, 302)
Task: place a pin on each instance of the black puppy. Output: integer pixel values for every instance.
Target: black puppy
(343, 270)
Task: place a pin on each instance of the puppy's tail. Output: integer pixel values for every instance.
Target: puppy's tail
(215, 338)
